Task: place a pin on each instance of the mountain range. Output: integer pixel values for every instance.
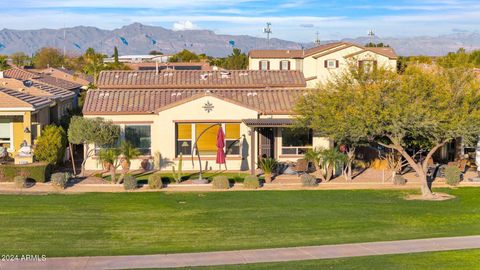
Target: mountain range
(137, 38)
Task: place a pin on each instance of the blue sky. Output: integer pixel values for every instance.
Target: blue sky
(296, 20)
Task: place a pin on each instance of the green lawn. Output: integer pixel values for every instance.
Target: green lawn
(162, 222)
(445, 260)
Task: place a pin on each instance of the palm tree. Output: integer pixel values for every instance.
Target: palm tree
(330, 159)
(93, 64)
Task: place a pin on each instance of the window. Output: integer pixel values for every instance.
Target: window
(139, 137)
(296, 141)
(284, 65)
(232, 138)
(207, 143)
(184, 139)
(5, 133)
(332, 63)
(264, 65)
(367, 65)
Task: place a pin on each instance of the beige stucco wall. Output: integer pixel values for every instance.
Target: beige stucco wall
(253, 63)
(163, 133)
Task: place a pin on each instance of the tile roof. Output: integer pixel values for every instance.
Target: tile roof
(22, 74)
(68, 75)
(194, 79)
(147, 101)
(36, 89)
(386, 51)
(13, 98)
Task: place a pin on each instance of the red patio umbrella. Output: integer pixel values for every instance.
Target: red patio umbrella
(220, 146)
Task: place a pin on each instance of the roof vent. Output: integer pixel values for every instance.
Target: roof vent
(168, 74)
(243, 74)
(176, 94)
(252, 94)
(116, 76)
(28, 83)
(203, 77)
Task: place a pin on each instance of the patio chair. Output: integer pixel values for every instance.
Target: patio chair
(301, 167)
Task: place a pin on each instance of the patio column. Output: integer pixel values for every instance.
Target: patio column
(27, 123)
(252, 151)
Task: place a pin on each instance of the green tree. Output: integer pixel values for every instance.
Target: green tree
(93, 64)
(425, 109)
(48, 57)
(109, 158)
(20, 59)
(185, 56)
(92, 131)
(115, 56)
(3, 62)
(154, 52)
(51, 145)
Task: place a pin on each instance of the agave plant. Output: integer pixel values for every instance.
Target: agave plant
(267, 165)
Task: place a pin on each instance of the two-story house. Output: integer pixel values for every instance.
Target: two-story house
(320, 63)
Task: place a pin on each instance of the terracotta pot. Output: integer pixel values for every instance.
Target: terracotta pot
(107, 166)
(125, 164)
(268, 177)
(145, 164)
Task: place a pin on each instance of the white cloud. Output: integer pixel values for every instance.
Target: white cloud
(184, 25)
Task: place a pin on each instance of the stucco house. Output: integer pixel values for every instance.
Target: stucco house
(165, 112)
(320, 63)
(26, 106)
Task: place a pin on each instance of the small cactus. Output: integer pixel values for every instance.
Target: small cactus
(177, 174)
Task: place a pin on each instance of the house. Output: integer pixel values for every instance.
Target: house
(169, 112)
(26, 106)
(202, 65)
(44, 79)
(68, 75)
(140, 58)
(323, 62)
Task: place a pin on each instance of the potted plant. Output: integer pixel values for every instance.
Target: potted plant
(128, 152)
(267, 165)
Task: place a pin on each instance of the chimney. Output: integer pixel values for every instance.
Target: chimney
(156, 67)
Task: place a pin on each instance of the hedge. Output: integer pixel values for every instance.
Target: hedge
(39, 172)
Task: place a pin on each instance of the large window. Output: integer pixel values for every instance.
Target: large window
(284, 65)
(184, 139)
(264, 65)
(187, 133)
(139, 137)
(296, 141)
(5, 133)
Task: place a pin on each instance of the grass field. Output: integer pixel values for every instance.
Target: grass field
(162, 222)
(445, 260)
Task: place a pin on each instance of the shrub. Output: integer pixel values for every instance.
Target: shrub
(129, 182)
(308, 180)
(20, 181)
(453, 175)
(220, 182)
(38, 172)
(51, 145)
(59, 180)
(155, 181)
(399, 180)
(251, 182)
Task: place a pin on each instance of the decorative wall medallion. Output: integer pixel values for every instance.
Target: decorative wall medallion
(208, 107)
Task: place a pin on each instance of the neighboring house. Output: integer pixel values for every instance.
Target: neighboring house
(139, 58)
(26, 106)
(172, 66)
(165, 112)
(68, 75)
(23, 74)
(321, 63)
(22, 117)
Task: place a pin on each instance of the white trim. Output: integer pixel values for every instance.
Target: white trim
(10, 142)
(30, 109)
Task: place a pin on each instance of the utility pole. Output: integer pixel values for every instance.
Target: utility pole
(268, 30)
(317, 41)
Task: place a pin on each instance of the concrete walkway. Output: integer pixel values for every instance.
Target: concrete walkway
(249, 256)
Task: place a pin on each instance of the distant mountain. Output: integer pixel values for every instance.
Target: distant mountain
(141, 39)
(137, 38)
